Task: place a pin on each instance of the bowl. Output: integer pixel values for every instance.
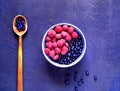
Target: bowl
(80, 33)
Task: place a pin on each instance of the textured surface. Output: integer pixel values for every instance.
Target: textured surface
(98, 19)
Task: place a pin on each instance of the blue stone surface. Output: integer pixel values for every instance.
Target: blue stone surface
(99, 20)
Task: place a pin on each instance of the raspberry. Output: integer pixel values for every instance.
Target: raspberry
(66, 44)
(47, 39)
(60, 43)
(57, 50)
(65, 27)
(68, 38)
(54, 44)
(64, 50)
(58, 36)
(58, 29)
(63, 41)
(64, 34)
(51, 33)
(54, 40)
(56, 57)
(52, 53)
(49, 45)
(74, 35)
(70, 30)
(47, 50)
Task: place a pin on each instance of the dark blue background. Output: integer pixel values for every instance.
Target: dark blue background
(98, 19)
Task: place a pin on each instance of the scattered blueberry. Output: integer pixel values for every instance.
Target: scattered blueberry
(82, 81)
(87, 73)
(76, 88)
(75, 78)
(79, 83)
(95, 78)
(66, 81)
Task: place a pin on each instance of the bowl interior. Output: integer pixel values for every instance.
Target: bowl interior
(78, 59)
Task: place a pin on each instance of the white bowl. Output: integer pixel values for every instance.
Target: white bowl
(78, 59)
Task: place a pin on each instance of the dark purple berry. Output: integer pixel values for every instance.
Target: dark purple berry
(79, 83)
(82, 81)
(66, 81)
(75, 78)
(76, 88)
(95, 78)
(87, 73)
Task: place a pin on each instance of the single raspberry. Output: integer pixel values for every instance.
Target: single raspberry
(54, 44)
(70, 30)
(65, 27)
(58, 29)
(63, 41)
(47, 50)
(54, 40)
(74, 35)
(49, 45)
(51, 33)
(56, 57)
(64, 50)
(57, 50)
(52, 53)
(64, 34)
(66, 44)
(58, 36)
(60, 42)
(68, 38)
(47, 39)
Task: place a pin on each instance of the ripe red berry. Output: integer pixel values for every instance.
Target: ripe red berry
(58, 36)
(54, 40)
(49, 45)
(65, 27)
(66, 44)
(52, 53)
(74, 35)
(57, 50)
(63, 41)
(47, 39)
(54, 44)
(56, 57)
(58, 29)
(70, 30)
(59, 43)
(47, 50)
(64, 34)
(68, 38)
(64, 50)
(51, 33)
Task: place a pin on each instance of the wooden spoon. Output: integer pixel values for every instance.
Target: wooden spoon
(20, 34)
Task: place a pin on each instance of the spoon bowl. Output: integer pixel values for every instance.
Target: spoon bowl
(22, 32)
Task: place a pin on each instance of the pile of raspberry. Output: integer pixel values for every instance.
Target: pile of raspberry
(57, 41)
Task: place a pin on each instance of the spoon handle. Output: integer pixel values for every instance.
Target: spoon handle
(20, 72)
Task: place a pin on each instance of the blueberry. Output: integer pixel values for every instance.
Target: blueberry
(75, 78)
(20, 24)
(79, 83)
(82, 81)
(87, 73)
(76, 88)
(95, 78)
(66, 81)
